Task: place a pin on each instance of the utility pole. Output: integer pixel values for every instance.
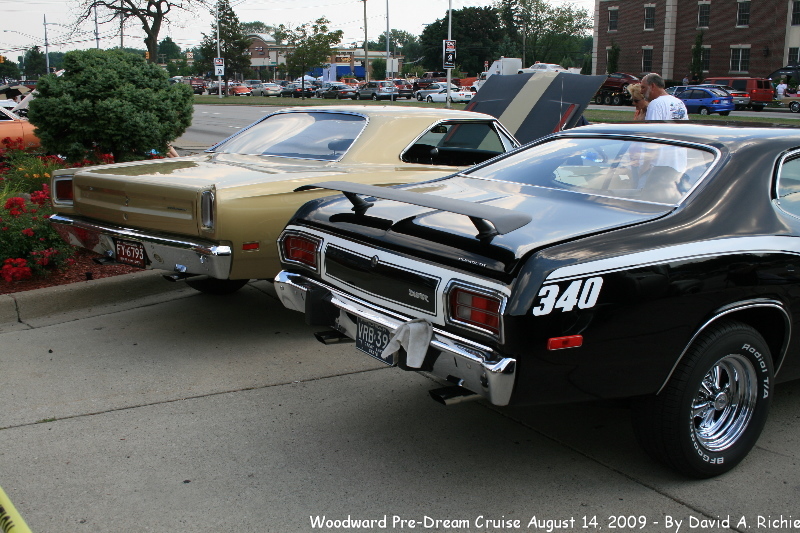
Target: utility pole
(387, 40)
(219, 54)
(366, 53)
(46, 51)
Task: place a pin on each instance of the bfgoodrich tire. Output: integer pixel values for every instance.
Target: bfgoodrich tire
(217, 286)
(711, 412)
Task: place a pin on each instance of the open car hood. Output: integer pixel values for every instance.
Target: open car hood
(531, 106)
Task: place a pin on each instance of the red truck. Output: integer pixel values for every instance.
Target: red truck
(613, 92)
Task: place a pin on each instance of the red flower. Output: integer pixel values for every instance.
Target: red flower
(28, 232)
(15, 269)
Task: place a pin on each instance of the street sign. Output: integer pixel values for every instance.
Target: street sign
(219, 66)
(219, 71)
(449, 53)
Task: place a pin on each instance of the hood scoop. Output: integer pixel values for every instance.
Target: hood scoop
(490, 221)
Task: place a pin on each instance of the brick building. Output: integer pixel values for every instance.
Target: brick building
(740, 37)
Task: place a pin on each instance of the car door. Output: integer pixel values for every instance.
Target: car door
(692, 98)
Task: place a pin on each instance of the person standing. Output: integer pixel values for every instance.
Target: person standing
(662, 106)
(635, 90)
(780, 89)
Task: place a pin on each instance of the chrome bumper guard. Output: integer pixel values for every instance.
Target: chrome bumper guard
(460, 361)
(164, 252)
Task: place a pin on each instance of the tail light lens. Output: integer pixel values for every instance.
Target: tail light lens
(62, 190)
(302, 249)
(475, 309)
(207, 209)
(716, 101)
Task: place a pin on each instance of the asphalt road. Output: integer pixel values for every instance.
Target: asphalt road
(141, 410)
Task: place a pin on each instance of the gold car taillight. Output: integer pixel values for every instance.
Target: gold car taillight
(62, 192)
(207, 210)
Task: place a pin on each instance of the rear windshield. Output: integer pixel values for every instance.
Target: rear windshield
(605, 166)
(717, 92)
(303, 135)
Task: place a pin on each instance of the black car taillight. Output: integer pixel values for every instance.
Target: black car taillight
(476, 309)
(302, 249)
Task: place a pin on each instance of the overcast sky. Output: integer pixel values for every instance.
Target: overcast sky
(23, 21)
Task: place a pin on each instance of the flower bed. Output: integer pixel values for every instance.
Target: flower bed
(29, 246)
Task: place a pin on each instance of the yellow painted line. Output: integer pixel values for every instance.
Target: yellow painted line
(10, 520)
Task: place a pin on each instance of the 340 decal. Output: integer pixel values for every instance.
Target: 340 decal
(580, 293)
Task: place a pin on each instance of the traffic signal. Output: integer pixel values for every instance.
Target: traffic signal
(147, 55)
(2, 59)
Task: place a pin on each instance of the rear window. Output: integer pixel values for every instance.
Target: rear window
(717, 92)
(606, 166)
(302, 135)
(385, 84)
(458, 144)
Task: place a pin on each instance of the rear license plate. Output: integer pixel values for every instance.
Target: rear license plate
(372, 338)
(130, 253)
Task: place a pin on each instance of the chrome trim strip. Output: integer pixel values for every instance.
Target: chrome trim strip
(732, 308)
(480, 367)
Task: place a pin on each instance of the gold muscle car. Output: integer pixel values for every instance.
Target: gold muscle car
(213, 219)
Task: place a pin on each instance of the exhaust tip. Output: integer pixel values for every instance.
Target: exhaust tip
(453, 395)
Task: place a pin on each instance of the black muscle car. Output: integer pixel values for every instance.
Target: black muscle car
(652, 261)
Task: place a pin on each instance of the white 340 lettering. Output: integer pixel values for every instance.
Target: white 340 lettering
(582, 293)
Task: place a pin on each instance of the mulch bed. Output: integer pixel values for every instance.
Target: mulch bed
(83, 269)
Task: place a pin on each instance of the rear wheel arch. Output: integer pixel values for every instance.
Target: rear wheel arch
(770, 318)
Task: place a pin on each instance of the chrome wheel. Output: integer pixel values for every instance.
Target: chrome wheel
(724, 404)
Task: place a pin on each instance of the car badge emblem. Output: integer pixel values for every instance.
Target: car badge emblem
(374, 261)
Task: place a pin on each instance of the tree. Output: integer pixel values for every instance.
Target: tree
(696, 67)
(9, 70)
(613, 58)
(167, 49)
(548, 33)
(476, 32)
(233, 41)
(109, 101)
(152, 14)
(257, 27)
(35, 63)
(311, 45)
(379, 68)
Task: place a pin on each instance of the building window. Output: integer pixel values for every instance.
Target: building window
(613, 16)
(704, 15)
(705, 58)
(743, 14)
(794, 56)
(740, 59)
(796, 13)
(649, 17)
(647, 60)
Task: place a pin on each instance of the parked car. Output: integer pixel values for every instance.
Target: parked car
(706, 100)
(594, 264)
(339, 91)
(378, 90)
(760, 89)
(422, 94)
(238, 89)
(14, 126)
(405, 89)
(741, 99)
(459, 95)
(266, 89)
(213, 219)
(298, 90)
(543, 67)
(251, 83)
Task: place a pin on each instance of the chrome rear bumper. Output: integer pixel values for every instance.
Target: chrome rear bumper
(457, 360)
(163, 252)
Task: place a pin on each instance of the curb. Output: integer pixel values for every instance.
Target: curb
(22, 310)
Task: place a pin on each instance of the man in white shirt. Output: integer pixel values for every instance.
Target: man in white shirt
(781, 89)
(662, 106)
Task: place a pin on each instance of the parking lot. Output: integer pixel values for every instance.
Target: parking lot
(144, 406)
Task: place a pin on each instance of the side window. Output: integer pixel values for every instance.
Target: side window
(789, 187)
(739, 85)
(458, 144)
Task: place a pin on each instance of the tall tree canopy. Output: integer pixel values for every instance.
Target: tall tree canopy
(112, 102)
(168, 49)
(233, 41)
(477, 34)
(35, 63)
(549, 33)
(152, 14)
(312, 45)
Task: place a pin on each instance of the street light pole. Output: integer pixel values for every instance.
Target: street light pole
(387, 39)
(366, 53)
(46, 51)
(449, 38)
